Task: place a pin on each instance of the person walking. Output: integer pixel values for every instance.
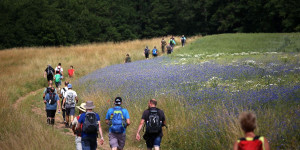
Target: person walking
(52, 101)
(183, 40)
(69, 102)
(155, 120)
(127, 59)
(163, 44)
(146, 52)
(62, 96)
(90, 122)
(49, 73)
(59, 69)
(118, 119)
(57, 79)
(154, 52)
(250, 141)
(71, 72)
(169, 49)
(81, 109)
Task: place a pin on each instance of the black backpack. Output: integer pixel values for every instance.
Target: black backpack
(90, 125)
(49, 71)
(47, 90)
(52, 100)
(153, 125)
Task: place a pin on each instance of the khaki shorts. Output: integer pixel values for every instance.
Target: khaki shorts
(117, 140)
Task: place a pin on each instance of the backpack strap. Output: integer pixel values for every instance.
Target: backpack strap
(256, 137)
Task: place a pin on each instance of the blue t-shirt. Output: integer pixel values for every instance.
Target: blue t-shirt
(111, 112)
(49, 106)
(81, 121)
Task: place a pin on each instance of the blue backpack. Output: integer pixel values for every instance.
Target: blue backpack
(154, 51)
(117, 121)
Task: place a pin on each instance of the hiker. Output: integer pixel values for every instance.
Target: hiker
(81, 109)
(169, 49)
(62, 96)
(118, 119)
(183, 39)
(90, 127)
(47, 89)
(69, 104)
(155, 120)
(52, 101)
(154, 52)
(172, 42)
(146, 52)
(49, 72)
(57, 80)
(71, 72)
(59, 69)
(127, 59)
(163, 44)
(250, 141)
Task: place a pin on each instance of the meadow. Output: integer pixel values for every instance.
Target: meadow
(202, 88)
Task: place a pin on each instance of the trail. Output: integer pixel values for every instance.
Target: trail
(59, 123)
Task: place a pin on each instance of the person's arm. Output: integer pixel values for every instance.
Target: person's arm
(76, 99)
(101, 135)
(127, 122)
(235, 146)
(138, 137)
(64, 101)
(58, 103)
(45, 73)
(266, 144)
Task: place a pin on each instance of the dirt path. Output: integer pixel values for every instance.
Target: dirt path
(59, 123)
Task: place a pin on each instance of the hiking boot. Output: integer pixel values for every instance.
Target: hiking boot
(67, 125)
(48, 121)
(52, 121)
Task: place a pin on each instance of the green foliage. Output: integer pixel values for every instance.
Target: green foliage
(66, 22)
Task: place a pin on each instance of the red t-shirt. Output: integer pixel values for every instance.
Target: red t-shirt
(71, 72)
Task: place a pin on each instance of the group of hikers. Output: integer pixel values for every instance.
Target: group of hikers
(86, 126)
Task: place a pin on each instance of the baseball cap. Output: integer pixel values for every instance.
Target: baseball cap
(118, 101)
(69, 86)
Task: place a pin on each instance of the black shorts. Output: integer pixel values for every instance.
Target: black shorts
(154, 55)
(50, 77)
(51, 113)
(147, 55)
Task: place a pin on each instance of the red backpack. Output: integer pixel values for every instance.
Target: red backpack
(255, 144)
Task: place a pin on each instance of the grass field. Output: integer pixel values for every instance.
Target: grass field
(202, 88)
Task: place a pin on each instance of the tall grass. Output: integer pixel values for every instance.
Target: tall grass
(22, 72)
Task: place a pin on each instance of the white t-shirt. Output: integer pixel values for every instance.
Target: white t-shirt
(70, 98)
(59, 67)
(62, 91)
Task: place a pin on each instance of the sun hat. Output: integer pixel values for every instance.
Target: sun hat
(82, 107)
(118, 101)
(89, 105)
(69, 86)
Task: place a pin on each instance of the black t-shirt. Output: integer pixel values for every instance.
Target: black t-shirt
(161, 115)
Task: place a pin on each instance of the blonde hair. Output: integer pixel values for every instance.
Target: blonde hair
(247, 121)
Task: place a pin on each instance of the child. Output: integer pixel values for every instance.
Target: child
(250, 141)
(127, 59)
(57, 79)
(71, 72)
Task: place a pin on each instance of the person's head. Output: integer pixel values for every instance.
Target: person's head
(57, 72)
(163, 38)
(49, 65)
(52, 90)
(155, 47)
(89, 106)
(118, 101)
(81, 108)
(127, 55)
(69, 86)
(152, 103)
(59, 64)
(182, 35)
(146, 47)
(247, 121)
(71, 67)
(66, 83)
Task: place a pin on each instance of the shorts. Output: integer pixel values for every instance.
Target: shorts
(51, 113)
(117, 140)
(57, 84)
(50, 77)
(147, 55)
(153, 141)
(70, 111)
(154, 55)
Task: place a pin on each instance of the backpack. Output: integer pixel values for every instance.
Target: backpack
(146, 51)
(255, 144)
(90, 125)
(58, 69)
(154, 51)
(153, 125)
(52, 100)
(62, 93)
(117, 121)
(70, 99)
(49, 71)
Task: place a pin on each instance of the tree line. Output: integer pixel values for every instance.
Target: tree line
(67, 22)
